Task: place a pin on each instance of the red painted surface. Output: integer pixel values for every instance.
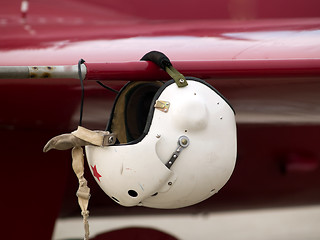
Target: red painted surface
(191, 40)
(242, 35)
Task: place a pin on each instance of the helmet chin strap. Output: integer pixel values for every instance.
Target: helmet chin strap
(83, 192)
(76, 140)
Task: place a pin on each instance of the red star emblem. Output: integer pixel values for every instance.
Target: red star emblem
(95, 172)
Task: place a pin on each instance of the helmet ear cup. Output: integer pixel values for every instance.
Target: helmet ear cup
(190, 113)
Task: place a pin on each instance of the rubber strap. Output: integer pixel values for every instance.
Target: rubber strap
(163, 62)
(158, 58)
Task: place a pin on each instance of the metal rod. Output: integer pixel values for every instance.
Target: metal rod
(38, 72)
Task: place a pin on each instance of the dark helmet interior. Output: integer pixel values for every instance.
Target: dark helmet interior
(131, 109)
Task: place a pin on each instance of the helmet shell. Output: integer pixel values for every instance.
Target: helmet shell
(135, 173)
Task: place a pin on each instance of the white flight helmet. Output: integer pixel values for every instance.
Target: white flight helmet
(176, 146)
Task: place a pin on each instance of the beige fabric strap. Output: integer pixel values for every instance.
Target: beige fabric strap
(83, 192)
(98, 138)
(75, 140)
